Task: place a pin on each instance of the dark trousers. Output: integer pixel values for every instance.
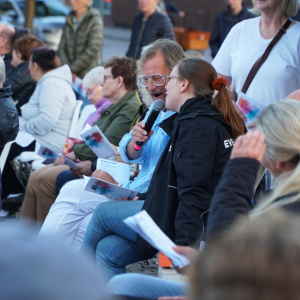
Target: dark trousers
(62, 179)
(10, 182)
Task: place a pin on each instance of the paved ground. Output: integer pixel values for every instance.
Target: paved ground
(116, 42)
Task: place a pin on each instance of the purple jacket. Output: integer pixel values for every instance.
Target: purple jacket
(103, 104)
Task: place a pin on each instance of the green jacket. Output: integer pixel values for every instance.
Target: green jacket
(114, 122)
(81, 49)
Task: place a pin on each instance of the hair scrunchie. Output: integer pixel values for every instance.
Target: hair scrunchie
(216, 84)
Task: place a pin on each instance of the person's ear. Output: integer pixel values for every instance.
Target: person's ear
(184, 85)
(35, 66)
(120, 81)
(3, 41)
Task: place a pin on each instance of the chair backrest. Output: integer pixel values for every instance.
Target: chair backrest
(86, 111)
(75, 118)
(4, 154)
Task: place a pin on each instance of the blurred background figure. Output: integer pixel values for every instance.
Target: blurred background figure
(35, 268)
(22, 84)
(256, 259)
(7, 35)
(149, 25)
(236, 12)
(168, 7)
(81, 39)
(9, 121)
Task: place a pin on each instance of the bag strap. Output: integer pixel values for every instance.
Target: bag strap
(263, 58)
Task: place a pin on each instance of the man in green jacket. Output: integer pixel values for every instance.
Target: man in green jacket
(81, 40)
(120, 88)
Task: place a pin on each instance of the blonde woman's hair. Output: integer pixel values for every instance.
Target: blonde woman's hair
(289, 8)
(280, 122)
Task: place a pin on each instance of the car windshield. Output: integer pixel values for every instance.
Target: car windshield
(47, 8)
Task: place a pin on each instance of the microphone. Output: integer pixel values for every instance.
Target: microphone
(158, 105)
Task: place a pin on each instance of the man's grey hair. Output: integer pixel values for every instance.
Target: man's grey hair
(171, 51)
(93, 78)
(2, 70)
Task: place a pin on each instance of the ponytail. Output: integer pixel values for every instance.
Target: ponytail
(222, 103)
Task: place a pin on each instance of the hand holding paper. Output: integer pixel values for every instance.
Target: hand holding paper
(249, 107)
(147, 229)
(98, 143)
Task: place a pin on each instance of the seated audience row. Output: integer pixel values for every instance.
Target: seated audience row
(120, 88)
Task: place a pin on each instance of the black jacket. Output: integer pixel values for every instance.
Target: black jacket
(8, 66)
(233, 195)
(22, 84)
(187, 173)
(146, 31)
(9, 120)
(223, 24)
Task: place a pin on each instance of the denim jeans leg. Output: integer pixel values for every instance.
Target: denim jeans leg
(145, 286)
(108, 219)
(113, 254)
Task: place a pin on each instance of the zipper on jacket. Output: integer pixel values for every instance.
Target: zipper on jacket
(140, 37)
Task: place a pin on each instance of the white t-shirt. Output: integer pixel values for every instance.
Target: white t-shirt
(280, 73)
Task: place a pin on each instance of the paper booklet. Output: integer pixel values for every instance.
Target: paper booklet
(250, 107)
(143, 224)
(119, 171)
(49, 155)
(101, 187)
(99, 144)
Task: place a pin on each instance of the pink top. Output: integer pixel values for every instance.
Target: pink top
(103, 104)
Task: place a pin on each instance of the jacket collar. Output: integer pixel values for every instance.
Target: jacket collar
(89, 13)
(122, 101)
(5, 91)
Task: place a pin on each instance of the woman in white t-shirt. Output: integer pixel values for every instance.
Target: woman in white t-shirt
(248, 40)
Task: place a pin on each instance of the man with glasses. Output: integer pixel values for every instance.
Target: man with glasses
(117, 246)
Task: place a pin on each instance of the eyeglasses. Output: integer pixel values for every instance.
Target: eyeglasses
(106, 76)
(90, 90)
(168, 78)
(156, 79)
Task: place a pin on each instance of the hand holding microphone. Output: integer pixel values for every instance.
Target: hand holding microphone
(138, 131)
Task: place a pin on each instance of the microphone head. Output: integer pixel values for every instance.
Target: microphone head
(158, 105)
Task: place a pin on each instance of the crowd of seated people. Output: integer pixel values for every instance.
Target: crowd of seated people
(199, 164)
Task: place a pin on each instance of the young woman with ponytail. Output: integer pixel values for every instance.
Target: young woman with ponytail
(179, 195)
(276, 145)
(202, 135)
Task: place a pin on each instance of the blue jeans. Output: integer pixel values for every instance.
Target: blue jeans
(145, 286)
(109, 239)
(62, 179)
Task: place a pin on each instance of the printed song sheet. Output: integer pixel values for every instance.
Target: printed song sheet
(143, 224)
(98, 143)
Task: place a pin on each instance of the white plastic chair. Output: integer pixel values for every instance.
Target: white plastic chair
(86, 111)
(4, 154)
(75, 118)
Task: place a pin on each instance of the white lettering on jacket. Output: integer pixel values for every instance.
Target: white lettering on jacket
(229, 143)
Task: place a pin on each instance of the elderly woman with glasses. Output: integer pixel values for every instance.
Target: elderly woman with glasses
(93, 84)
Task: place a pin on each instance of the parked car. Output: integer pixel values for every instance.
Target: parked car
(48, 22)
